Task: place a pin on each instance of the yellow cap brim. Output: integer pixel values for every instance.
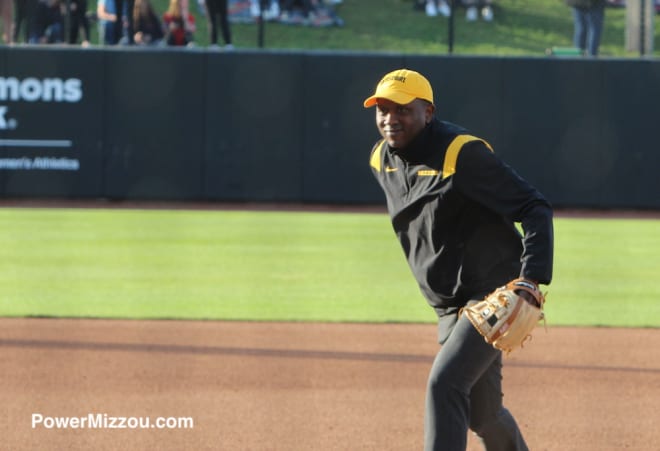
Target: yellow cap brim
(394, 96)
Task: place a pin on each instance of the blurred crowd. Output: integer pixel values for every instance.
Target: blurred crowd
(474, 9)
(319, 13)
(118, 21)
(138, 22)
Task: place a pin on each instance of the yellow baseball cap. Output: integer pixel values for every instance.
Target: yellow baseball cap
(401, 86)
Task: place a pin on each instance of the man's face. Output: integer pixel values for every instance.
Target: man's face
(400, 124)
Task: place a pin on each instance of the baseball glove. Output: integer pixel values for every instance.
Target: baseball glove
(507, 316)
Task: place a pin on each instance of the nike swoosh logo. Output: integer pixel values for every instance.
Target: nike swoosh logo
(390, 169)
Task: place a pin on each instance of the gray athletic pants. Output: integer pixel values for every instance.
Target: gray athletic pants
(465, 391)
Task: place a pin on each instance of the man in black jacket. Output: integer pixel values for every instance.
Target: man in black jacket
(453, 205)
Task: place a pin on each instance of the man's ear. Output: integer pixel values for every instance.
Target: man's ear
(430, 110)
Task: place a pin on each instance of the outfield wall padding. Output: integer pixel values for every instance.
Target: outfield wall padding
(154, 125)
(254, 122)
(284, 126)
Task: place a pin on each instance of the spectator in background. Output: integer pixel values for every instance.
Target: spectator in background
(147, 25)
(124, 26)
(106, 13)
(78, 19)
(588, 19)
(216, 10)
(7, 12)
(271, 12)
(47, 23)
(474, 7)
(25, 10)
(433, 7)
(179, 24)
(298, 11)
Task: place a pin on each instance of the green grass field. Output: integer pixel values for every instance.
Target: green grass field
(245, 265)
(520, 28)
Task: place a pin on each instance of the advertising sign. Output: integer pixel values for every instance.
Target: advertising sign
(50, 124)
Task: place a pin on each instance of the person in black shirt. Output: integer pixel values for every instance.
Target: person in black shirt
(25, 11)
(123, 30)
(78, 19)
(147, 26)
(454, 205)
(47, 23)
(217, 15)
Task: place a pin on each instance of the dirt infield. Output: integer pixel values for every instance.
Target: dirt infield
(302, 386)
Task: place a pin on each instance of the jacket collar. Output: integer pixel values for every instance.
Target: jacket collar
(419, 148)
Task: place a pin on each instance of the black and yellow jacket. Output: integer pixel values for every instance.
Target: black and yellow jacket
(453, 205)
